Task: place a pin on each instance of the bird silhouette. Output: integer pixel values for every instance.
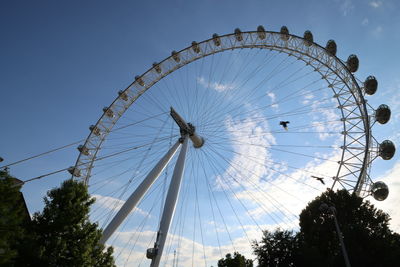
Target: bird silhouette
(318, 178)
(284, 124)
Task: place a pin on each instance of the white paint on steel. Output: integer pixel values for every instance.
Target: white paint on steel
(170, 203)
(332, 69)
(138, 194)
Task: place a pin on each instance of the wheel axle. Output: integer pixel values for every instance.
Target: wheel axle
(187, 129)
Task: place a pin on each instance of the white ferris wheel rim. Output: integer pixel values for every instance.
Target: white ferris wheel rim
(332, 70)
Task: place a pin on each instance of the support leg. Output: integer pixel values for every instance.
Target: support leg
(138, 194)
(169, 207)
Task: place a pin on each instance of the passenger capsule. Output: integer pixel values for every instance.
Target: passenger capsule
(175, 56)
(216, 39)
(123, 95)
(157, 67)
(387, 149)
(108, 111)
(261, 32)
(84, 150)
(379, 191)
(195, 47)
(95, 130)
(382, 114)
(284, 33)
(370, 85)
(238, 35)
(74, 171)
(139, 80)
(331, 47)
(352, 63)
(308, 38)
(151, 253)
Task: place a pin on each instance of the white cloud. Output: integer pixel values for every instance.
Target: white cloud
(189, 252)
(377, 31)
(283, 191)
(365, 21)
(114, 204)
(346, 7)
(192, 252)
(257, 138)
(375, 4)
(219, 87)
(272, 96)
(320, 118)
(307, 98)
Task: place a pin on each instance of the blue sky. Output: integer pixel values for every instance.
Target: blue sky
(62, 62)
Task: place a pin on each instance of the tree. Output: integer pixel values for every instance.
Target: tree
(62, 233)
(238, 260)
(367, 236)
(278, 248)
(12, 218)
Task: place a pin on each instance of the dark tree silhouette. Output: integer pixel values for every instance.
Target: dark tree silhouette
(278, 248)
(237, 260)
(62, 234)
(13, 218)
(367, 236)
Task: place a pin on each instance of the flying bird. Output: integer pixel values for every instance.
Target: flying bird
(318, 178)
(284, 124)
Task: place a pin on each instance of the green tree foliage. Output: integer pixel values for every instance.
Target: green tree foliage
(237, 260)
(367, 236)
(62, 233)
(277, 248)
(12, 218)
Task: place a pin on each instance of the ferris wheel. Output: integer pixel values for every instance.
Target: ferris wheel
(225, 138)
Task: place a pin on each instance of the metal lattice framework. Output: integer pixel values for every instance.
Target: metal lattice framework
(353, 168)
(354, 119)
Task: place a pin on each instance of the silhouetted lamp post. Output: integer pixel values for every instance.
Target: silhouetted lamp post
(331, 210)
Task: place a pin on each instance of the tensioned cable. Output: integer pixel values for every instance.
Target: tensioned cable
(220, 213)
(83, 163)
(109, 179)
(228, 66)
(231, 206)
(223, 158)
(212, 210)
(265, 80)
(219, 98)
(293, 112)
(251, 171)
(126, 186)
(195, 178)
(238, 199)
(265, 133)
(185, 92)
(316, 81)
(270, 161)
(247, 179)
(273, 147)
(268, 77)
(65, 146)
(41, 154)
(139, 229)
